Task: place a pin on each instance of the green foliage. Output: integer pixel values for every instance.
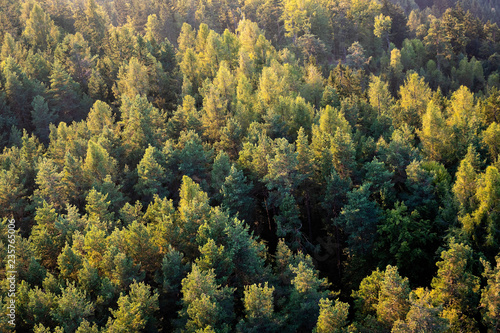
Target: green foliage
(403, 238)
(40, 31)
(423, 316)
(152, 177)
(482, 224)
(455, 287)
(42, 117)
(490, 301)
(415, 94)
(359, 219)
(65, 95)
(142, 125)
(332, 318)
(384, 295)
(307, 291)
(236, 195)
(204, 302)
(72, 308)
(193, 211)
(135, 311)
(259, 310)
(186, 165)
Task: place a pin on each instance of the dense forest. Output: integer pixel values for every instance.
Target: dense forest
(250, 166)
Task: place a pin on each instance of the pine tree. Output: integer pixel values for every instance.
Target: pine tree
(491, 139)
(435, 134)
(98, 213)
(393, 297)
(216, 258)
(220, 170)
(490, 299)
(72, 308)
(332, 317)
(259, 309)
(185, 118)
(74, 54)
(482, 225)
(465, 186)
(415, 94)
(69, 263)
(137, 242)
(296, 18)
(152, 177)
(465, 120)
(48, 179)
(86, 328)
(204, 302)
(307, 290)
(46, 238)
(92, 24)
(101, 119)
(65, 95)
(193, 210)
(133, 80)
(40, 31)
(359, 219)
(456, 288)
(379, 96)
(39, 307)
(142, 124)
(98, 164)
(42, 116)
(19, 92)
(423, 316)
(73, 180)
(135, 311)
(194, 157)
(236, 194)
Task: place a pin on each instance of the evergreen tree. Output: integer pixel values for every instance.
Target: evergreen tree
(220, 170)
(404, 238)
(464, 119)
(98, 163)
(135, 311)
(98, 213)
(332, 318)
(65, 95)
(19, 92)
(92, 24)
(41, 118)
(415, 94)
(423, 316)
(204, 302)
(152, 177)
(359, 219)
(48, 179)
(193, 210)
(491, 139)
(40, 31)
(69, 263)
(259, 309)
(435, 135)
(490, 301)
(72, 308)
(456, 288)
(236, 194)
(74, 54)
(142, 124)
(307, 291)
(482, 224)
(465, 186)
(46, 238)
